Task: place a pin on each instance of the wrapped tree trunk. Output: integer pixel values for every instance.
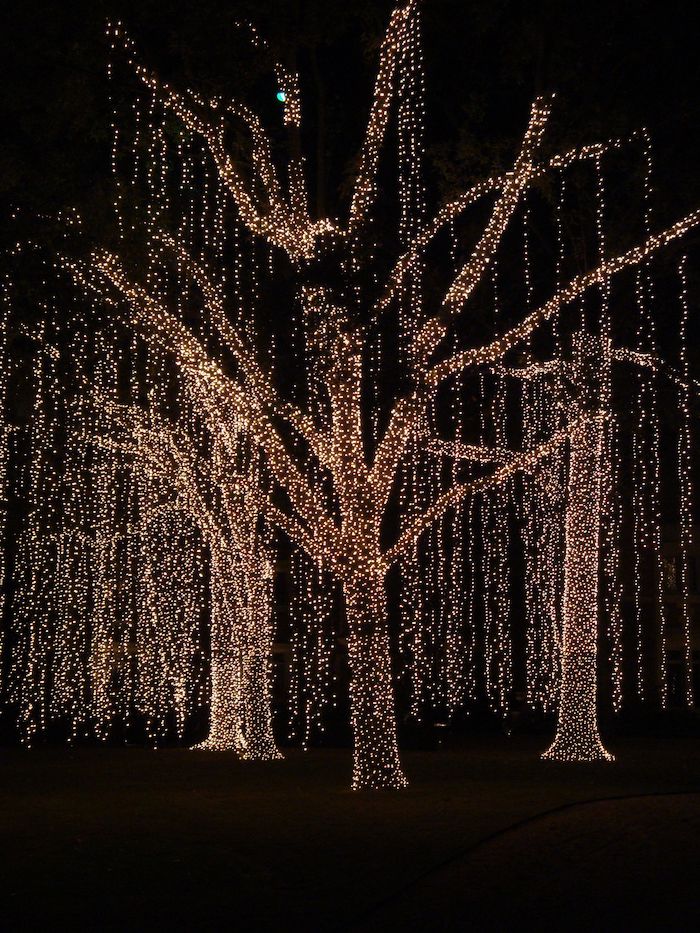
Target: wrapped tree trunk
(577, 737)
(225, 720)
(256, 679)
(226, 703)
(376, 755)
(241, 646)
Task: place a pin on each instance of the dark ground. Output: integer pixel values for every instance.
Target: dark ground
(486, 838)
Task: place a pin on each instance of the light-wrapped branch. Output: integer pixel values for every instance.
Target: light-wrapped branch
(515, 185)
(525, 462)
(452, 209)
(365, 185)
(455, 450)
(219, 394)
(497, 349)
(280, 224)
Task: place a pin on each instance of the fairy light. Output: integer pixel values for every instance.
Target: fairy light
(29, 680)
(5, 431)
(348, 544)
(496, 546)
(577, 736)
(685, 487)
(105, 610)
(654, 453)
(552, 491)
(610, 530)
(532, 500)
(646, 468)
(470, 621)
(558, 476)
(639, 482)
(418, 609)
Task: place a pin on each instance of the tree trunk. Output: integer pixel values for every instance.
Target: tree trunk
(226, 704)
(376, 761)
(257, 686)
(577, 736)
(241, 703)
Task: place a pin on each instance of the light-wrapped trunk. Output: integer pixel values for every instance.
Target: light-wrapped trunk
(577, 737)
(241, 652)
(225, 714)
(257, 680)
(376, 761)
(226, 702)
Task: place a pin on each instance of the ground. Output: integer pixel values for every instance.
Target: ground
(487, 837)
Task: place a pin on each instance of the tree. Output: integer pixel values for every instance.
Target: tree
(332, 484)
(223, 504)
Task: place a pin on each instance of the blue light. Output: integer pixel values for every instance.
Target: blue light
(281, 96)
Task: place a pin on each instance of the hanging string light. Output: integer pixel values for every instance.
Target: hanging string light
(685, 489)
(5, 431)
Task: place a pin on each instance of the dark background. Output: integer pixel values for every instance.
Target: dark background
(615, 66)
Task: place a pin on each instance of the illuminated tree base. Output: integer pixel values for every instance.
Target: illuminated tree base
(565, 748)
(223, 738)
(376, 763)
(218, 745)
(262, 751)
(241, 718)
(265, 753)
(378, 775)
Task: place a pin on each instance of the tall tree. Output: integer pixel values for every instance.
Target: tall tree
(332, 483)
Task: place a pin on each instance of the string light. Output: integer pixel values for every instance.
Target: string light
(5, 430)
(685, 489)
(610, 531)
(349, 543)
(577, 736)
(495, 549)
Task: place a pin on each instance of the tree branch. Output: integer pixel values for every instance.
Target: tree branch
(517, 181)
(455, 450)
(282, 226)
(524, 462)
(454, 208)
(258, 379)
(655, 363)
(365, 186)
(158, 324)
(491, 352)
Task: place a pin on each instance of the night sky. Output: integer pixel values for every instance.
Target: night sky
(615, 67)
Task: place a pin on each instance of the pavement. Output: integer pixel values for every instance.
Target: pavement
(630, 864)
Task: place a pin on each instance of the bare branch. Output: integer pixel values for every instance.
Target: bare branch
(516, 183)
(496, 350)
(524, 462)
(365, 185)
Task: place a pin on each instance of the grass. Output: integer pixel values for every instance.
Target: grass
(131, 839)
